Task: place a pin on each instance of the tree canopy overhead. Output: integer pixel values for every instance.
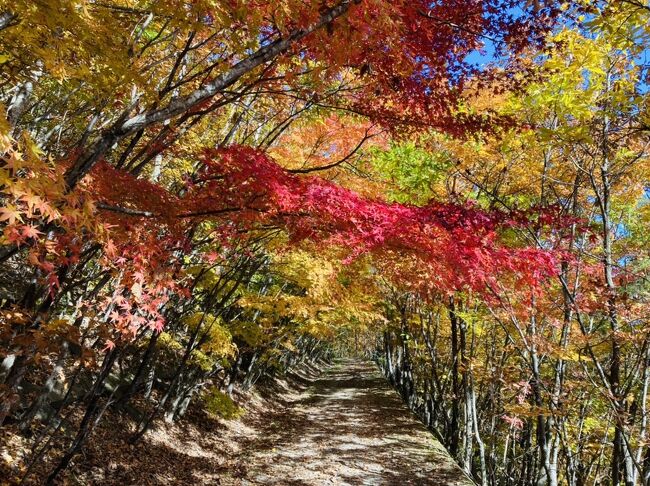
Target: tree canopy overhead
(196, 194)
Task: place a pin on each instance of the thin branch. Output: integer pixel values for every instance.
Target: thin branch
(130, 212)
(366, 136)
(7, 20)
(125, 126)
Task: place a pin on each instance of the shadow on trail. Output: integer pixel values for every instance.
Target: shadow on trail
(352, 429)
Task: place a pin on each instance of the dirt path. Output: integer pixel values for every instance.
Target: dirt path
(347, 428)
(344, 426)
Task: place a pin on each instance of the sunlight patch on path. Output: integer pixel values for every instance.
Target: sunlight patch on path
(349, 428)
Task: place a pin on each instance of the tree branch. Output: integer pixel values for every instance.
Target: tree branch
(130, 212)
(6, 19)
(126, 126)
(367, 136)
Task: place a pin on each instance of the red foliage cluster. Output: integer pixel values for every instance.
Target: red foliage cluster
(412, 54)
(240, 189)
(408, 57)
(460, 244)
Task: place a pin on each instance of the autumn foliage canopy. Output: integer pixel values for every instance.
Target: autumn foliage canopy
(195, 195)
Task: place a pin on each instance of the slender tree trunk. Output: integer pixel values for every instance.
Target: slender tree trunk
(144, 363)
(53, 382)
(88, 421)
(454, 439)
(126, 126)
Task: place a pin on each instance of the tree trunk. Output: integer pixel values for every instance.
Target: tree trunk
(88, 421)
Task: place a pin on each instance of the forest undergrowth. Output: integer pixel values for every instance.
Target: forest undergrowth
(209, 446)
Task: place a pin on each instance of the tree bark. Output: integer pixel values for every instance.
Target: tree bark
(126, 126)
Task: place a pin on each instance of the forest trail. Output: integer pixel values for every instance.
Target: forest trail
(347, 428)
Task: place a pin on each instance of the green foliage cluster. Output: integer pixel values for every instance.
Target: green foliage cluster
(220, 404)
(412, 170)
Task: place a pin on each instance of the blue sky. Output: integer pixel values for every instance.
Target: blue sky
(479, 59)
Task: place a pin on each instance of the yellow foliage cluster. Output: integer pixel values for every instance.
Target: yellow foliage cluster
(220, 404)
